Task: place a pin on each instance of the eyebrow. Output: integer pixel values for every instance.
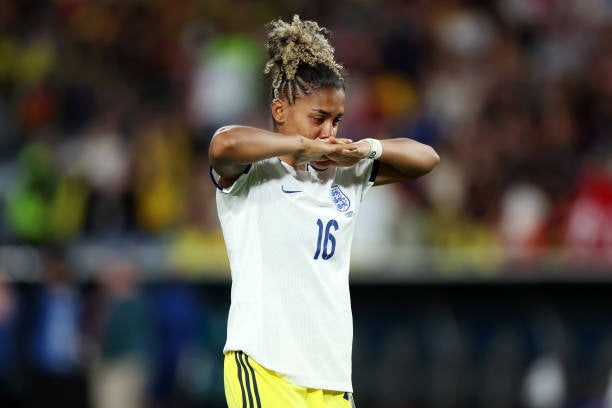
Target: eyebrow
(326, 113)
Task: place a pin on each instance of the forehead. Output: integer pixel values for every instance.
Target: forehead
(327, 99)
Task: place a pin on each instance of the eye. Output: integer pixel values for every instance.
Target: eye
(318, 120)
(337, 121)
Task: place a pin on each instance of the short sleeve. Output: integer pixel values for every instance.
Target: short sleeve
(240, 185)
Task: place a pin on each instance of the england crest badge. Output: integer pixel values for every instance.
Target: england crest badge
(340, 200)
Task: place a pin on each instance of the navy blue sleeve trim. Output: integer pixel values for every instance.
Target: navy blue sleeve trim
(213, 178)
(246, 170)
(374, 172)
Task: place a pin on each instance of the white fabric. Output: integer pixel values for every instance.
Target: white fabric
(289, 311)
(375, 148)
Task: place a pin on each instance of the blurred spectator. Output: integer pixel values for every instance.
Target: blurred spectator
(161, 172)
(378, 230)
(56, 376)
(28, 204)
(400, 369)
(450, 355)
(197, 245)
(225, 86)
(503, 354)
(546, 383)
(117, 334)
(588, 236)
(102, 160)
(524, 213)
(44, 204)
(175, 320)
(10, 375)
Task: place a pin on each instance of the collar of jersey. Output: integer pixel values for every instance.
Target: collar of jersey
(306, 174)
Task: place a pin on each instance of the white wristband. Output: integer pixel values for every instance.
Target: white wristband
(375, 148)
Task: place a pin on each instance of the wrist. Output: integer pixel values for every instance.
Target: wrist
(375, 148)
(300, 144)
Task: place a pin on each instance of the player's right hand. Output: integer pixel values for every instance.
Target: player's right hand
(318, 151)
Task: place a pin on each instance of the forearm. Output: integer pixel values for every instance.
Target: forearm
(404, 158)
(234, 147)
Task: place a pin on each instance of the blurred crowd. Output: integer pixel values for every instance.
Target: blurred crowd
(107, 109)
(113, 344)
(121, 344)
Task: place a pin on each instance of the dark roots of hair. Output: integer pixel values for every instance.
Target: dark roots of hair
(307, 80)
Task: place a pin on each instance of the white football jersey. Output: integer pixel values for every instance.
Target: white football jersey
(288, 235)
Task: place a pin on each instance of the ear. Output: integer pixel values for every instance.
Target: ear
(278, 108)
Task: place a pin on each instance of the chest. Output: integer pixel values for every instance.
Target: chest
(310, 194)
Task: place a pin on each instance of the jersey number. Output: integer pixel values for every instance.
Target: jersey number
(329, 241)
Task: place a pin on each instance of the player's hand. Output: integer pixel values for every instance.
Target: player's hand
(318, 151)
(324, 161)
(348, 157)
(331, 159)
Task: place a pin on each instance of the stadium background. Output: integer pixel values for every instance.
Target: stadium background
(484, 284)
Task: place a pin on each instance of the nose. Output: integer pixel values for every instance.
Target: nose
(327, 129)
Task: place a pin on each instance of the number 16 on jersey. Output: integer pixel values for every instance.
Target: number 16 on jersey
(329, 241)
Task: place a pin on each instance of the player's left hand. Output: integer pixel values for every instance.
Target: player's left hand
(354, 152)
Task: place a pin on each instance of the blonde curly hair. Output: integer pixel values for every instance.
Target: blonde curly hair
(300, 56)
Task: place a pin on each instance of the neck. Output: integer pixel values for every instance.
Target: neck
(290, 161)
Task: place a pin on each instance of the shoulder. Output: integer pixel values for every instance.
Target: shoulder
(253, 174)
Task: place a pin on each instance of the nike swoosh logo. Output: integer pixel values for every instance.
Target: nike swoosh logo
(290, 191)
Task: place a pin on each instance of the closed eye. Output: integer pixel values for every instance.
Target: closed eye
(318, 120)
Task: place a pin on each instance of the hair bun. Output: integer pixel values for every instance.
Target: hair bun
(290, 45)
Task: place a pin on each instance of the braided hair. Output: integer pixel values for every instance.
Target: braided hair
(300, 59)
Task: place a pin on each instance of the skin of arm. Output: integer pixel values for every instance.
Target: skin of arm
(404, 159)
(401, 159)
(232, 148)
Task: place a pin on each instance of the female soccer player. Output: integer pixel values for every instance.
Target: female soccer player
(288, 200)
